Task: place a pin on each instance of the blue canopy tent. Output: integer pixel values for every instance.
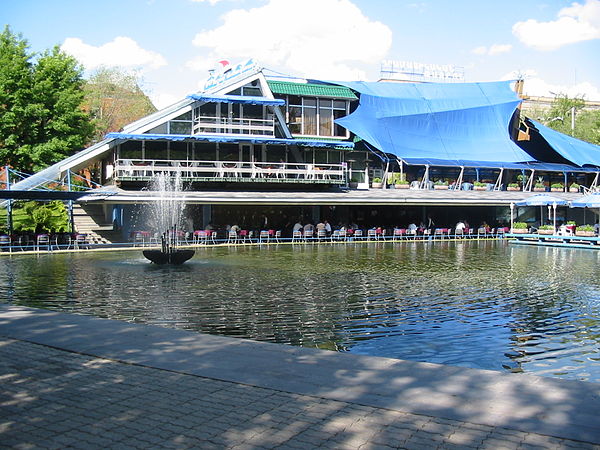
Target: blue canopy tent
(574, 150)
(542, 200)
(437, 122)
(588, 201)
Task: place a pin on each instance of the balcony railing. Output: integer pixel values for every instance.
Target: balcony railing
(220, 125)
(231, 171)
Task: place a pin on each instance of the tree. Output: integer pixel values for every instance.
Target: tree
(114, 99)
(41, 96)
(587, 122)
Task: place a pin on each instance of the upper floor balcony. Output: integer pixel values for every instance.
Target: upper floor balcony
(231, 171)
(235, 126)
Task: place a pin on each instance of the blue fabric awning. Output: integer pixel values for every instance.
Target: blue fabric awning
(542, 200)
(574, 150)
(536, 165)
(587, 201)
(246, 100)
(437, 121)
(231, 139)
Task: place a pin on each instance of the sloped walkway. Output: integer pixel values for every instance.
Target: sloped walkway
(82, 382)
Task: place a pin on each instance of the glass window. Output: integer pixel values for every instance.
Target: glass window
(156, 150)
(180, 127)
(207, 110)
(252, 91)
(309, 117)
(237, 91)
(294, 100)
(339, 104)
(295, 119)
(161, 129)
(339, 130)
(310, 102)
(229, 152)
(186, 116)
(253, 111)
(325, 119)
(204, 151)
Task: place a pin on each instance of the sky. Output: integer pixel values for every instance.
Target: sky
(171, 44)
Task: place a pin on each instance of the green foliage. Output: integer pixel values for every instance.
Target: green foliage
(479, 184)
(513, 184)
(585, 228)
(546, 227)
(37, 217)
(376, 180)
(441, 182)
(114, 99)
(587, 123)
(397, 178)
(557, 186)
(41, 119)
(519, 226)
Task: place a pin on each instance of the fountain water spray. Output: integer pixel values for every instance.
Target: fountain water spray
(167, 215)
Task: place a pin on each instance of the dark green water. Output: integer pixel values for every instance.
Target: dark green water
(474, 304)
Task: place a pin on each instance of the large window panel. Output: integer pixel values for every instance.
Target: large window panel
(295, 119)
(325, 118)
(309, 116)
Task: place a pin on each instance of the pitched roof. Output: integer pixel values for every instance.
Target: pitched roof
(310, 89)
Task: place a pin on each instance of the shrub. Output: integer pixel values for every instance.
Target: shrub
(585, 228)
(520, 226)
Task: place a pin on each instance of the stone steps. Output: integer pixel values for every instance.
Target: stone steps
(89, 219)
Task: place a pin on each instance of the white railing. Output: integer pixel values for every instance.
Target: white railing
(139, 169)
(220, 125)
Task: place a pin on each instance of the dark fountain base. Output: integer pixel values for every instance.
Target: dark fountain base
(172, 257)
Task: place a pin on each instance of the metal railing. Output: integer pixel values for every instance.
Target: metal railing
(144, 169)
(220, 125)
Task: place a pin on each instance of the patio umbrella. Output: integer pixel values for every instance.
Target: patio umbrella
(543, 200)
(587, 201)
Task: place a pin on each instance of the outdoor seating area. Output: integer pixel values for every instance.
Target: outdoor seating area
(44, 242)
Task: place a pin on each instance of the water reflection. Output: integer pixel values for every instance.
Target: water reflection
(474, 304)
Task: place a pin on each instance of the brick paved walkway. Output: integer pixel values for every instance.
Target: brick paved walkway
(51, 398)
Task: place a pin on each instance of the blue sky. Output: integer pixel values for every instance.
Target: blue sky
(554, 45)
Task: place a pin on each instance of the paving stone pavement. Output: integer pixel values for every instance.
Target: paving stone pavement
(52, 398)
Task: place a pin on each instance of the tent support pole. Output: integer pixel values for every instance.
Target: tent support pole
(385, 173)
(425, 180)
(498, 184)
(529, 184)
(459, 180)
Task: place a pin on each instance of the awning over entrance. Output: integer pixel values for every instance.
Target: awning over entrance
(230, 139)
(246, 100)
(437, 121)
(578, 152)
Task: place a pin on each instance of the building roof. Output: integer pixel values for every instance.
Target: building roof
(437, 121)
(310, 89)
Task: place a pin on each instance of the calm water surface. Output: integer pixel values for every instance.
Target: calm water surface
(474, 304)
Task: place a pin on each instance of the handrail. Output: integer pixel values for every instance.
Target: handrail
(219, 170)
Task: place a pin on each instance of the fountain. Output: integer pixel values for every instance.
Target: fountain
(167, 213)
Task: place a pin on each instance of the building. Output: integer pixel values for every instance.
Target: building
(271, 151)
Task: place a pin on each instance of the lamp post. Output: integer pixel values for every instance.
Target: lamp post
(512, 215)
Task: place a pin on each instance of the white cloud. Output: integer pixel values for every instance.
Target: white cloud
(495, 49)
(536, 86)
(577, 23)
(212, 2)
(121, 52)
(330, 38)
